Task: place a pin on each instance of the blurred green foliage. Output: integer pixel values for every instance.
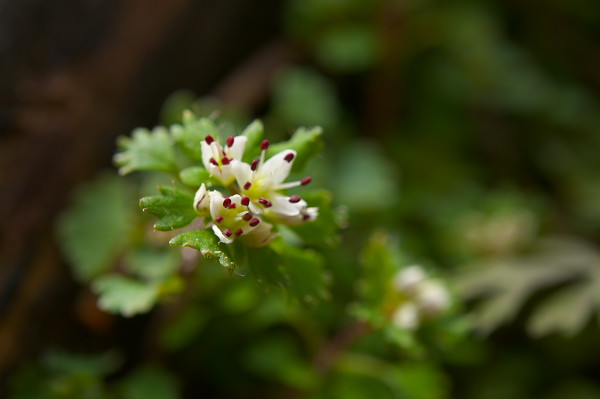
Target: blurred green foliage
(459, 135)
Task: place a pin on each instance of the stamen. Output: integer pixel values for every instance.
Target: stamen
(219, 219)
(228, 233)
(225, 161)
(239, 232)
(305, 217)
(214, 162)
(289, 157)
(247, 185)
(294, 199)
(263, 201)
(268, 204)
(232, 206)
(247, 216)
(305, 181)
(264, 145)
(254, 165)
(209, 139)
(245, 201)
(226, 202)
(254, 222)
(229, 141)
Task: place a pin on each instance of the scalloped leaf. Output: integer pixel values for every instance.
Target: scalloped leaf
(208, 244)
(125, 295)
(174, 208)
(194, 176)
(189, 135)
(146, 151)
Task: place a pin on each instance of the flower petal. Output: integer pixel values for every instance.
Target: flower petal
(221, 236)
(260, 236)
(236, 151)
(276, 169)
(242, 172)
(283, 206)
(216, 204)
(201, 199)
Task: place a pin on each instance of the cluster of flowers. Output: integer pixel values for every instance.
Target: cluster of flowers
(421, 297)
(256, 192)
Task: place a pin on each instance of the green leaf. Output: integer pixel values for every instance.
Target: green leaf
(265, 265)
(207, 243)
(125, 295)
(305, 271)
(194, 176)
(150, 382)
(254, 133)
(306, 142)
(380, 260)
(146, 151)
(191, 133)
(152, 264)
(175, 208)
(95, 230)
(322, 232)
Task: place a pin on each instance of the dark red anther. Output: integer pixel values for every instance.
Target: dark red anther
(295, 198)
(226, 202)
(264, 145)
(227, 232)
(289, 156)
(219, 219)
(214, 162)
(305, 181)
(254, 222)
(245, 201)
(225, 161)
(268, 204)
(247, 216)
(239, 232)
(263, 201)
(247, 185)
(230, 141)
(305, 217)
(232, 206)
(254, 165)
(209, 139)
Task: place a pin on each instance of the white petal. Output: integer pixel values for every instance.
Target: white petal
(408, 279)
(259, 236)
(226, 175)
(221, 236)
(242, 172)
(312, 212)
(201, 199)
(236, 151)
(206, 154)
(283, 206)
(216, 204)
(257, 209)
(433, 297)
(406, 317)
(277, 169)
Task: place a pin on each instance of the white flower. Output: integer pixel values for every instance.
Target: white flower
(217, 159)
(262, 182)
(202, 200)
(406, 316)
(408, 279)
(432, 297)
(231, 219)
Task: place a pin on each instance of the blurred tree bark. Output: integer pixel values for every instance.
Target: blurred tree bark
(74, 75)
